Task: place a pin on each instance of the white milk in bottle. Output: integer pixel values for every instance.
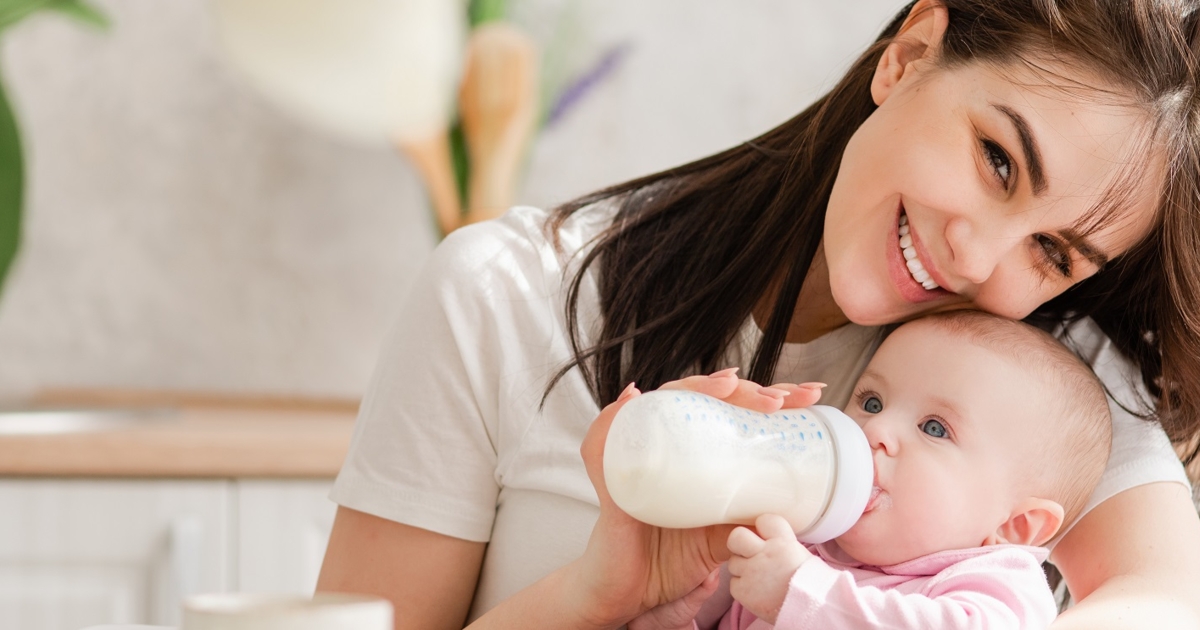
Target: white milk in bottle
(682, 459)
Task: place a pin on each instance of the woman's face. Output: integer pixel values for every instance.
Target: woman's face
(980, 178)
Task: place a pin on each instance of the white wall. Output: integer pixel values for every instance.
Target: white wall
(182, 233)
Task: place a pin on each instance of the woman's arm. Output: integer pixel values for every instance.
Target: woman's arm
(1134, 562)
(429, 577)
(630, 567)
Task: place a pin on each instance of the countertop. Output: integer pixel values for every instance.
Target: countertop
(183, 435)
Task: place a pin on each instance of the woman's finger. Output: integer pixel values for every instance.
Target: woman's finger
(802, 395)
(743, 542)
(718, 384)
(771, 526)
(592, 448)
(726, 386)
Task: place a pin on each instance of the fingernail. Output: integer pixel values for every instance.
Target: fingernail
(788, 387)
(630, 391)
(812, 386)
(772, 392)
(723, 373)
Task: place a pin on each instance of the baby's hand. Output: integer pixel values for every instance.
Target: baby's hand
(763, 564)
(679, 614)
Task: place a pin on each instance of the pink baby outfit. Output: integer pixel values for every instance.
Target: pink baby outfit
(998, 586)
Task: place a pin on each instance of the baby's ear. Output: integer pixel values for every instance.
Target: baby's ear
(1033, 522)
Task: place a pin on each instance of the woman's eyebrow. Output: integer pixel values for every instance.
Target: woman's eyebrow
(1029, 146)
(1084, 247)
(1037, 177)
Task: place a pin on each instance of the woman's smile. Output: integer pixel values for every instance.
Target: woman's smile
(915, 277)
(918, 219)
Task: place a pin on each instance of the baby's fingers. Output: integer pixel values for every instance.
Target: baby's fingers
(745, 543)
(772, 526)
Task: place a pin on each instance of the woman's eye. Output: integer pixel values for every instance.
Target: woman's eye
(934, 428)
(999, 161)
(872, 404)
(1055, 254)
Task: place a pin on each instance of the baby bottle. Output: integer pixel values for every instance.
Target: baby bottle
(681, 459)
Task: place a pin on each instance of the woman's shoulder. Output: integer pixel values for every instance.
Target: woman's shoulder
(521, 240)
(510, 273)
(1141, 452)
(1120, 376)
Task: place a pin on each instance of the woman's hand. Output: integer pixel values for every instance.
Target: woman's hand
(630, 567)
(681, 613)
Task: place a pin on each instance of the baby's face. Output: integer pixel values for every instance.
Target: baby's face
(951, 424)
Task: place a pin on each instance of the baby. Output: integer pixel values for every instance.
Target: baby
(988, 436)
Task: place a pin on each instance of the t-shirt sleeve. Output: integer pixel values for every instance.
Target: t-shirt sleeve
(424, 450)
(1141, 452)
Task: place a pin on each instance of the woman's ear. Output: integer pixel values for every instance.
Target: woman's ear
(1033, 522)
(918, 38)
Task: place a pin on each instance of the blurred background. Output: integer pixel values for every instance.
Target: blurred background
(184, 232)
(210, 259)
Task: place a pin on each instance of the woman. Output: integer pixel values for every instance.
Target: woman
(1045, 158)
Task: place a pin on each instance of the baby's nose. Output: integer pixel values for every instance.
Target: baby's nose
(881, 437)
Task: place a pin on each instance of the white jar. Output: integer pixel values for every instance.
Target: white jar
(255, 611)
(680, 459)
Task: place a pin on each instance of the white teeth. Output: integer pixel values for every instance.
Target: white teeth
(910, 257)
(918, 272)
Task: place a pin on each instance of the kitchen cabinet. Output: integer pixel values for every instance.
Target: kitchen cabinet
(282, 529)
(87, 551)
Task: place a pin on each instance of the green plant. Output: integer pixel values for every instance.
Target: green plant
(12, 163)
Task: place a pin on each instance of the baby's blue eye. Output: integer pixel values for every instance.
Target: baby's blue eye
(933, 428)
(872, 404)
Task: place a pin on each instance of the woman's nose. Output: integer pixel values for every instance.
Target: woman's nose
(975, 249)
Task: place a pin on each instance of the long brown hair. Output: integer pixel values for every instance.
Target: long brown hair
(691, 250)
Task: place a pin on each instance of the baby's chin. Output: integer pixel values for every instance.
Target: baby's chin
(877, 546)
(864, 548)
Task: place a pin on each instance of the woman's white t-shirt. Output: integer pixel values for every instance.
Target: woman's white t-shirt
(453, 435)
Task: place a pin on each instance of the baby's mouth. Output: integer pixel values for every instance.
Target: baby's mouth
(909, 251)
(873, 501)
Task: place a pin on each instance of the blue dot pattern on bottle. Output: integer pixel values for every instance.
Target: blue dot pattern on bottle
(788, 429)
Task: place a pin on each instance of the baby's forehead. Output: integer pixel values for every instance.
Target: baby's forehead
(1011, 362)
(1011, 341)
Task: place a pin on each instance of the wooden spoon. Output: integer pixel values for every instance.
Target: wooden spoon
(431, 156)
(498, 107)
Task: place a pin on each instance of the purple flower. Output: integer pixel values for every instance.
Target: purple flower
(581, 86)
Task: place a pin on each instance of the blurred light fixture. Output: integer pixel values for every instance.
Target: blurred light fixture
(377, 71)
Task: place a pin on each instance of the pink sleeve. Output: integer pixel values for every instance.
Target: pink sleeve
(999, 590)
(738, 618)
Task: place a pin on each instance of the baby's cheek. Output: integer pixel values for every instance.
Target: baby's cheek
(919, 518)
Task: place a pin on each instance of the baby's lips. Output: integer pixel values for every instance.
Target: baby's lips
(875, 492)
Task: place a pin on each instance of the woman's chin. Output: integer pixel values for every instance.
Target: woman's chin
(867, 310)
